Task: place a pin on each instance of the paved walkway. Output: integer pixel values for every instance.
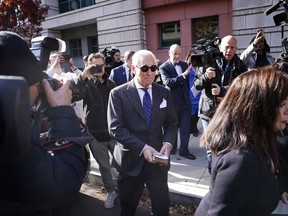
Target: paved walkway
(188, 180)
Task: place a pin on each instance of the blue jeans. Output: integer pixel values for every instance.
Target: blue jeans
(208, 151)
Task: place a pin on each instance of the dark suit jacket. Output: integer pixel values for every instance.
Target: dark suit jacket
(178, 85)
(118, 75)
(126, 121)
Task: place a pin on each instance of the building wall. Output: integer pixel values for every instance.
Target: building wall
(248, 16)
(134, 24)
(118, 23)
(162, 11)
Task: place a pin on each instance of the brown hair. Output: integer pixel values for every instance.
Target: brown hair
(95, 55)
(247, 114)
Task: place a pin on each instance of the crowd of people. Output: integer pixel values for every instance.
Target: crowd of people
(134, 111)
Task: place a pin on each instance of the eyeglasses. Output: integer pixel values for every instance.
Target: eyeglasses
(145, 68)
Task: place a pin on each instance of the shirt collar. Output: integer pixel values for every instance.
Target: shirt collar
(138, 86)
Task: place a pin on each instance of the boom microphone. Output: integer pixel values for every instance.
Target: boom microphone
(273, 7)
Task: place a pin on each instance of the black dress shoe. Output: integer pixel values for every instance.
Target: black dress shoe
(188, 156)
(173, 152)
(195, 134)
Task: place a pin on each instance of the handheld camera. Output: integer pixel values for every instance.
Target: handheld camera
(210, 52)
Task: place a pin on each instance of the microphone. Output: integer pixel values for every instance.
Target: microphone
(273, 8)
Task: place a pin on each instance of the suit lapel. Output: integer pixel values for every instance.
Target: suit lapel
(156, 102)
(134, 98)
(173, 70)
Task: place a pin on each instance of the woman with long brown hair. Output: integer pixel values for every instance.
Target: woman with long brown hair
(241, 136)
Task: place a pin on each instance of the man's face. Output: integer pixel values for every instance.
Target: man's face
(228, 47)
(144, 78)
(116, 57)
(174, 54)
(128, 62)
(100, 62)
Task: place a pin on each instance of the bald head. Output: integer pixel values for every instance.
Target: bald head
(228, 47)
(174, 53)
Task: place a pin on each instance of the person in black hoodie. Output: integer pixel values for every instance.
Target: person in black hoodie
(94, 87)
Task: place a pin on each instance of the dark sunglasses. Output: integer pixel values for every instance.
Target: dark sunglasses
(145, 68)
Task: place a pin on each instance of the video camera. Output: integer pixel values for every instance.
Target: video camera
(284, 54)
(108, 56)
(42, 47)
(210, 52)
(281, 18)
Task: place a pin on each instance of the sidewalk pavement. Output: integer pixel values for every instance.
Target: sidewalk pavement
(188, 180)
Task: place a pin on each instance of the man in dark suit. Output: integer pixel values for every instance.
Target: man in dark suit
(174, 74)
(142, 119)
(123, 73)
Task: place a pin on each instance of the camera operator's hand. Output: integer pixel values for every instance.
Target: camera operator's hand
(215, 89)
(60, 97)
(210, 72)
(187, 71)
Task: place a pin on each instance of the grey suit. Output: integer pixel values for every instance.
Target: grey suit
(126, 121)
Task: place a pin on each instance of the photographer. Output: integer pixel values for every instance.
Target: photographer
(257, 53)
(39, 180)
(56, 72)
(214, 81)
(95, 87)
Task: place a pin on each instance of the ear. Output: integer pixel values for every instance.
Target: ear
(133, 69)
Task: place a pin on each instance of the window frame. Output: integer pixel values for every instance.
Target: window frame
(77, 49)
(177, 27)
(208, 34)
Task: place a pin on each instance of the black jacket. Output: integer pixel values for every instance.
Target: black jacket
(94, 108)
(224, 77)
(240, 185)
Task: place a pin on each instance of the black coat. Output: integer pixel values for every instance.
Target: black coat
(240, 185)
(224, 77)
(94, 108)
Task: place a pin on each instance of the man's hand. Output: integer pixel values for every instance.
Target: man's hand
(60, 97)
(259, 37)
(58, 60)
(87, 72)
(166, 148)
(187, 71)
(148, 153)
(210, 72)
(215, 89)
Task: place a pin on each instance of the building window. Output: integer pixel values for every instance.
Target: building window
(69, 5)
(205, 28)
(75, 47)
(169, 34)
(93, 44)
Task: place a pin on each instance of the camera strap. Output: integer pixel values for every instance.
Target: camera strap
(225, 71)
(65, 142)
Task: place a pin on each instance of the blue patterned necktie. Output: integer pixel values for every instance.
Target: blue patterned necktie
(147, 106)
